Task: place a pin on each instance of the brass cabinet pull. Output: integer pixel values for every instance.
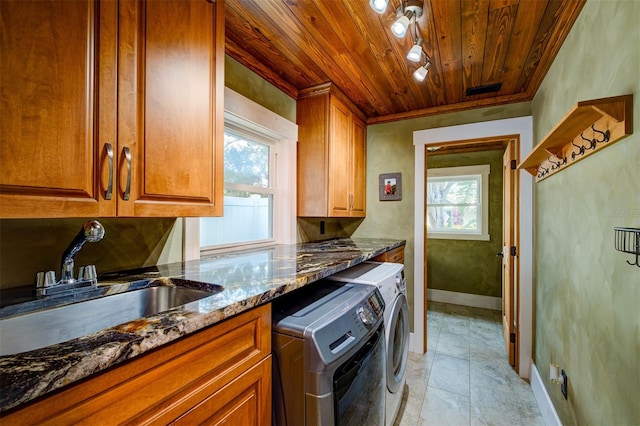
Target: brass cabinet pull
(109, 191)
(127, 156)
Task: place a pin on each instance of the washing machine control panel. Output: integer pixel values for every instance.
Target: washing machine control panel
(372, 310)
(366, 316)
(377, 304)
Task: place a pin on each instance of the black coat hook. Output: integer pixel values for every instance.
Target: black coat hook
(557, 164)
(580, 150)
(542, 172)
(592, 143)
(605, 135)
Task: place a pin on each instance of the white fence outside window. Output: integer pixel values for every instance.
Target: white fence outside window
(245, 219)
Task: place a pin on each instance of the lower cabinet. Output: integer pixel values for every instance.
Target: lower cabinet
(241, 402)
(395, 255)
(220, 375)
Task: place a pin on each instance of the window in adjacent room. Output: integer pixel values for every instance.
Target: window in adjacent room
(458, 203)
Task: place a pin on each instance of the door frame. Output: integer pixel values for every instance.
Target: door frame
(522, 127)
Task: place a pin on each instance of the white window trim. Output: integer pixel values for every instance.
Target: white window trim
(244, 112)
(483, 170)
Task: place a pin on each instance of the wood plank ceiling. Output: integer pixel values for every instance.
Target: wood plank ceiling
(295, 44)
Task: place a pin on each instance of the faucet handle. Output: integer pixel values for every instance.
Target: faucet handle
(45, 279)
(40, 279)
(80, 273)
(90, 273)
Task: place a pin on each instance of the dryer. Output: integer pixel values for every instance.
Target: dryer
(390, 281)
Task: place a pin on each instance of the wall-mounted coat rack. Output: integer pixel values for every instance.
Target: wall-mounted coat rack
(587, 128)
(627, 240)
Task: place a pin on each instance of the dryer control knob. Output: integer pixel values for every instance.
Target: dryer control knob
(366, 316)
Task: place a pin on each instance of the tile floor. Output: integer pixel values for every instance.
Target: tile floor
(464, 378)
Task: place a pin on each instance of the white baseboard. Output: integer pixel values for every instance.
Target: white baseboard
(465, 299)
(549, 413)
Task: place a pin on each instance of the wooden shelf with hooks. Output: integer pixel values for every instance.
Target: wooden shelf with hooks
(588, 127)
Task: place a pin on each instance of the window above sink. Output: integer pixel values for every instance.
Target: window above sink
(268, 142)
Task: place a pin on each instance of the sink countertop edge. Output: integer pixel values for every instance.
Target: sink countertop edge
(249, 277)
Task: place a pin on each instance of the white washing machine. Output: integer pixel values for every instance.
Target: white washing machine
(389, 278)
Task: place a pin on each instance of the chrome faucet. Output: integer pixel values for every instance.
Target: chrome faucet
(92, 231)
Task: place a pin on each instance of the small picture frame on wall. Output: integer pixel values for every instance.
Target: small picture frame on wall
(390, 186)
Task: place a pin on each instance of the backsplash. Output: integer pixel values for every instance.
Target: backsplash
(31, 245)
(309, 228)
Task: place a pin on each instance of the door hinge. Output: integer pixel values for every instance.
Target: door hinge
(513, 164)
(512, 337)
(513, 251)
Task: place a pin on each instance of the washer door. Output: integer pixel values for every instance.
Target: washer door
(398, 346)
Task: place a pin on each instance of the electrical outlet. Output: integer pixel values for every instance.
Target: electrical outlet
(564, 384)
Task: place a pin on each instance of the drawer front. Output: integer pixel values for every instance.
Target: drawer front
(395, 255)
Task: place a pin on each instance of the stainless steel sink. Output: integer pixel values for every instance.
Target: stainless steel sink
(55, 325)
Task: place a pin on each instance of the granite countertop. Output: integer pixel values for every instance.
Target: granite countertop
(250, 278)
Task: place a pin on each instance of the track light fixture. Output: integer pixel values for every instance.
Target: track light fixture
(415, 54)
(421, 73)
(401, 24)
(379, 5)
(406, 14)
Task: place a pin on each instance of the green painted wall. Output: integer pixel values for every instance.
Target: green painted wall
(467, 266)
(390, 149)
(241, 79)
(587, 308)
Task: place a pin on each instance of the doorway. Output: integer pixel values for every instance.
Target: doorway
(516, 128)
(471, 224)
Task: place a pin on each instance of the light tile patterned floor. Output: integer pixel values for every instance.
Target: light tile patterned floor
(465, 378)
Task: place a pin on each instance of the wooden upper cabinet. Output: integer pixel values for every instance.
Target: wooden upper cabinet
(79, 139)
(359, 146)
(55, 56)
(171, 82)
(331, 155)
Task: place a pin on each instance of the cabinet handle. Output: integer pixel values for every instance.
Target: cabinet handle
(108, 192)
(127, 156)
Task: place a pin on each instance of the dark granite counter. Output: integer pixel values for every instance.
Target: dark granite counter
(250, 278)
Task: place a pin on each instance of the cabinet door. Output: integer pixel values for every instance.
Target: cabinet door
(55, 56)
(245, 401)
(359, 168)
(339, 160)
(171, 82)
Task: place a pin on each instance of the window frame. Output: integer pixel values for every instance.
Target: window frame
(246, 117)
(482, 171)
(271, 189)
